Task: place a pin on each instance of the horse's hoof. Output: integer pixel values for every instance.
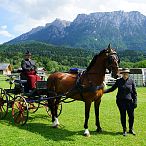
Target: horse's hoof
(99, 130)
(55, 126)
(87, 133)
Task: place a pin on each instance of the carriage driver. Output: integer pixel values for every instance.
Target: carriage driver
(29, 71)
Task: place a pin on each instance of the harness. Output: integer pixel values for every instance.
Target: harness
(79, 88)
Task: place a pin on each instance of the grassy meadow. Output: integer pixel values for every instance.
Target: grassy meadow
(38, 130)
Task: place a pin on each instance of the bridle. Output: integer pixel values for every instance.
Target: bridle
(112, 57)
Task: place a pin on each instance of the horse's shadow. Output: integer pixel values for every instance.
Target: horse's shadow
(46, 130)
(106, 133)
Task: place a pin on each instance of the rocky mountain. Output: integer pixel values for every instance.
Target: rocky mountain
(125, 30)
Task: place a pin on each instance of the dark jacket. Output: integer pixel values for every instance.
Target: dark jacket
(28, 65)
(126, 89)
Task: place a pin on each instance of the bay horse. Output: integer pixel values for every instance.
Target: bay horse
(86, 87)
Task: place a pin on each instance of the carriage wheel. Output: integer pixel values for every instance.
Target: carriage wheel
(33, 107)
(20, 111)
(48, 110)
(3, 104)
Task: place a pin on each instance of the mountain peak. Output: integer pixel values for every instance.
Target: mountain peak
(34, 30)
(80, 18)
(59, 23)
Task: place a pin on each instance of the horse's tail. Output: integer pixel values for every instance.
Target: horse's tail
(51, 93)
(51, 85)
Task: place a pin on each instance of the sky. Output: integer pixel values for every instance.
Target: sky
(20, 16)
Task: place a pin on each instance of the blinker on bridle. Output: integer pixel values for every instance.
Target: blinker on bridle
(112, 55)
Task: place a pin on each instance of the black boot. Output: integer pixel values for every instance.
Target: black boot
(131, 131)
(124, 132)
(99, 130)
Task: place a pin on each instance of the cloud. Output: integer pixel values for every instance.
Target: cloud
(27, 14)
(3, 27)
(47, 10)
(5, 33)
(35, 9)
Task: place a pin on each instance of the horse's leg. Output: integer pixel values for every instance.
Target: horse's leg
(87, 114)
(52, 102)
(96, 108)
(51, 105)
(56, 122)
(56, 106)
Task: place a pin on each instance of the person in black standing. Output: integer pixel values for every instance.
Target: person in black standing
(126, 99)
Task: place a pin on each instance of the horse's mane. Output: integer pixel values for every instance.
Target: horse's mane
(94, 59)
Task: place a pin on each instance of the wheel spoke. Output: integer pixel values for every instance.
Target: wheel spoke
(33, 107)
(59, 110)
(20, 111)
(3, 108)
(3, 104)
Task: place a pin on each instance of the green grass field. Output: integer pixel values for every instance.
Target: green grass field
(38, 130)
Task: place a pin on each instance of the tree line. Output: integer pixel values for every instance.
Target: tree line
(54, 58)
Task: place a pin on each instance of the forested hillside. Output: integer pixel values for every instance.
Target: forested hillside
(55, 58)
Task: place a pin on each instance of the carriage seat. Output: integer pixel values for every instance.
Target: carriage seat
(19, 86)
(74, 70)
(41, 84)
(17, 70)
(20, 81)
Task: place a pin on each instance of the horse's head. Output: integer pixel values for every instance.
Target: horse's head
(112, 61)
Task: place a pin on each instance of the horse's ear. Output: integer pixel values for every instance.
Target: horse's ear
(109, 48)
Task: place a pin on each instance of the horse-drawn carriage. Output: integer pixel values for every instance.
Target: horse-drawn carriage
(22, 103)
(86, 87)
